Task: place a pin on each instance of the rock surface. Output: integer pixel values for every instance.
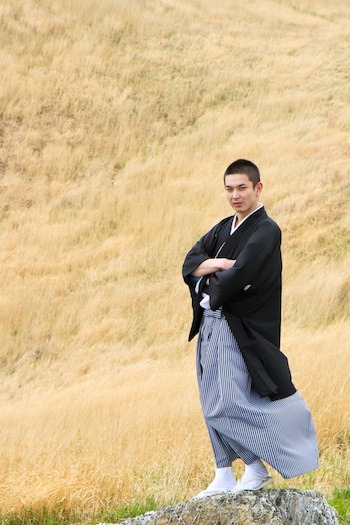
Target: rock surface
(268, 507)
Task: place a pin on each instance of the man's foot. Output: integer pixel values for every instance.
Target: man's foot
(253, 484)
(205, 493)
(224, 481)
(255, 477)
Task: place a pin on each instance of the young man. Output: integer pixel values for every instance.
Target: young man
(250, 405)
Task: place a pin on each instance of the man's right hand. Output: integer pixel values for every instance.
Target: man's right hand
(213, 265)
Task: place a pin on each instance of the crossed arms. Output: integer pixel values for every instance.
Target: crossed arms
(229, 276)
(213, 265)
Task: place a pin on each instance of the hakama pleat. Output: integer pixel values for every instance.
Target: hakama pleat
(242, 424)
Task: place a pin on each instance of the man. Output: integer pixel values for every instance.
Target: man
(251, 407)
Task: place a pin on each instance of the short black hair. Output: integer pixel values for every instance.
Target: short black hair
(246, 167)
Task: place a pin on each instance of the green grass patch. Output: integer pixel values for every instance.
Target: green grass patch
(28, 516)
(43, 517)
(128, 511)
(341, 502)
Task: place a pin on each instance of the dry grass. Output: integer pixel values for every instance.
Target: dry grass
(117, 120)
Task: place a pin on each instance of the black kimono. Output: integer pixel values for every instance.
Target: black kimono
(249, 294)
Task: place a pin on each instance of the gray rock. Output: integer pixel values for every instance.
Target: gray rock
(268, 507)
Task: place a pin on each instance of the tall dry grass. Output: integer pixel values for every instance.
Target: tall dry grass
(117, 121)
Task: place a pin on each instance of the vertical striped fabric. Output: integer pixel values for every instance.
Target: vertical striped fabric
(240, 422)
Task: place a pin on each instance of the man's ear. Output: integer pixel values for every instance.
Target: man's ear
(259, 188)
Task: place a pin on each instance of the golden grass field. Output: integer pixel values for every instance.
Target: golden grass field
(117, 121)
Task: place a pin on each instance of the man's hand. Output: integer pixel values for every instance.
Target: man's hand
(213, 265)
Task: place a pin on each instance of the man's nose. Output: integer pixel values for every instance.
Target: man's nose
(235, 194)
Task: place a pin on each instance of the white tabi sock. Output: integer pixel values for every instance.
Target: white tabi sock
(255, 470)
(224, 479)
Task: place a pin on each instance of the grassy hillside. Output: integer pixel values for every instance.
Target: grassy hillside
(117, 120)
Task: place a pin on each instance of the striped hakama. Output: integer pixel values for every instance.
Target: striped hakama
(242, 424)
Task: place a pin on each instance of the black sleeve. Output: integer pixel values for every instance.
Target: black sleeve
(200, 252)
(225, 285)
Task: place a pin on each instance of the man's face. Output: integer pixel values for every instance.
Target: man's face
(241, 194)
